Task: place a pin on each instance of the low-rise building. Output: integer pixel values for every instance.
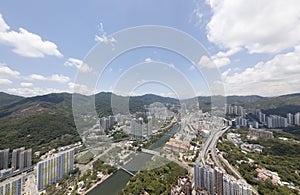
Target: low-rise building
(183, 187)
(176, 145)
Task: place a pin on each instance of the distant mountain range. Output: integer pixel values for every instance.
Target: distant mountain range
(46, 121)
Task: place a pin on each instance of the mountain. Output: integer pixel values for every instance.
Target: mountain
(44, 122)
(280, 105)
(8, 99)
(39, 122)
(205, 101)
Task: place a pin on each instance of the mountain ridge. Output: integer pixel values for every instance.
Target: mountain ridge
(46, 121)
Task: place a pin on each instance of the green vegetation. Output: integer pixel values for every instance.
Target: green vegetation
(85, 158)
(100, 166)
(40, 123)
(156, 181)
(46, 122)
(119, 135)
(280, 105)
(280, 156)
(90, 177)
(293, 130)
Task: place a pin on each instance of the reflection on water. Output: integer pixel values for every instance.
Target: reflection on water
(113, 184)
(118, 180)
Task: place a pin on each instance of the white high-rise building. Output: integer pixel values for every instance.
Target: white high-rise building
(140, 128)
(149, 126)
(290, 119)
(297, 119)
(133, 125)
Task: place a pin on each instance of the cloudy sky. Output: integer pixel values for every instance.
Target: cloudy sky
(255, 44)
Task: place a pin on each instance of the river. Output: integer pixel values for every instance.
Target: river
(119, 179)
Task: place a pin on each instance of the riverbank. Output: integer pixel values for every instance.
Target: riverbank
(117, 182)
(105, 177)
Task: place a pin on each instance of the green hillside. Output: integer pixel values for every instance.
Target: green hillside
(46, 121)
(39, 122)
(280, 105)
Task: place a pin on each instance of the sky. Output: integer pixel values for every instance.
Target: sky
(254, 46)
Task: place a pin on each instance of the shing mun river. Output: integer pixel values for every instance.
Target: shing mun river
(115, 183)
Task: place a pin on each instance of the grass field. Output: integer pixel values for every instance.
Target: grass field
(85, 158)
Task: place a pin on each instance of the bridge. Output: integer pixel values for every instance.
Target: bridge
(127, 171)
(150, 152)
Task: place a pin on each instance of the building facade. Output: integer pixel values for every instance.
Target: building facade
(4, 159)
(12, 186)
(51, 170)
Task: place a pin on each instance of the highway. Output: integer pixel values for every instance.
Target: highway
(210, 145)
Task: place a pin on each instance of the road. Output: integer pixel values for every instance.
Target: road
(210, 145)
(213, 146)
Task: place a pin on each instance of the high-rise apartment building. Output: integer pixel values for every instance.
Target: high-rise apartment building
(149, 126)
(274, 121)
(214, 181)
(219, 181)
(12, 186)
(51, 170)
(21, 158)
(25, 158)
(16, 161)
(297, 119)
(4, 158)
(204, 177)
(290, 118)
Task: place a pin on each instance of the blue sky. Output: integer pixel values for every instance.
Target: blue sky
(255, 46)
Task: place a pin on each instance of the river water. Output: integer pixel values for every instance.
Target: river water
(119, 179)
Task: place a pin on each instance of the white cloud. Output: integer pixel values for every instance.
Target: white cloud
(6, 71)
(213, 62)
(26, 43)
(148, 60)
(258, 26)
(102, 37)
(228, 53)
(5, 81)
(37, 77)
(85, 68)
(220, 62)
(82, 67)
(80, 88)
(280, 75)
(73, 62)
(24, 84)
(28, 92)
(226, 72)
(55, 77)
(206, 62)
(59, 78)
(3, 26)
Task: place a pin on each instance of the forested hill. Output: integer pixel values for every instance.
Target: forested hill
(47, 121)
